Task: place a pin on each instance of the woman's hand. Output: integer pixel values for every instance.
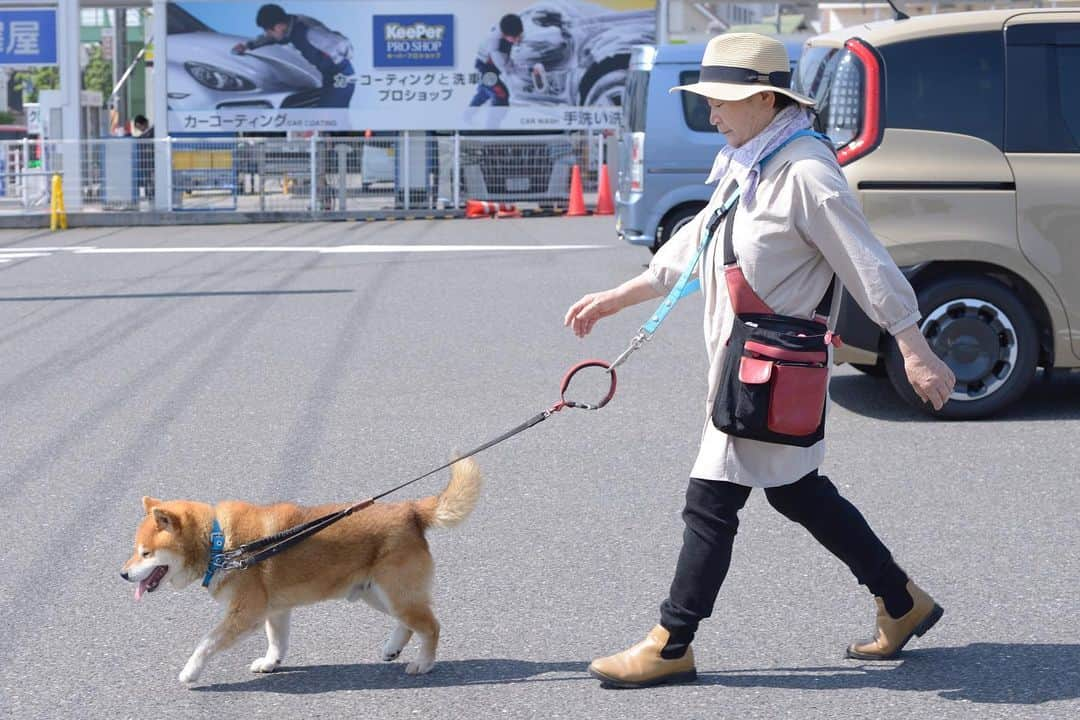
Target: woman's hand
(582, 315)
(931, 378)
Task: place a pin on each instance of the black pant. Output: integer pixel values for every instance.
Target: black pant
(711, 517)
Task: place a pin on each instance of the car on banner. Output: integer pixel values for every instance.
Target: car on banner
(584, 51)
(204, 73)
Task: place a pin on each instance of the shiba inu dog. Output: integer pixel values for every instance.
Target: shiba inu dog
(378, 555)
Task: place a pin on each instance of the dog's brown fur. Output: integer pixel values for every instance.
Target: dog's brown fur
(378, 555)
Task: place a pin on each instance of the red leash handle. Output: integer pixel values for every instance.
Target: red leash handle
(570, 375)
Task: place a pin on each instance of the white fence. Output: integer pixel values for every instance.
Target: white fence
(315, 175)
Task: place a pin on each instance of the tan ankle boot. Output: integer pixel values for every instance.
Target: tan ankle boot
(642, 666)
(893, 634)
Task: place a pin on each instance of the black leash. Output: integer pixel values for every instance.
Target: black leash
(248, 554)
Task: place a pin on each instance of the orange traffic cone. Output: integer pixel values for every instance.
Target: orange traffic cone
(577, 197)
(604, 205)
(479, 208)
(508, 211)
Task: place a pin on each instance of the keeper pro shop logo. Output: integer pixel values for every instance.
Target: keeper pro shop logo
(413, 40)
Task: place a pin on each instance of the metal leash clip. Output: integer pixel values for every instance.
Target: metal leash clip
(229, 560)
(640, 339)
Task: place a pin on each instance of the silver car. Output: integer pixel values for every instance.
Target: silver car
(583, 49)
(204, 73)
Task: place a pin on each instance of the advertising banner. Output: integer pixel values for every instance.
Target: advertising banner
(328, 65)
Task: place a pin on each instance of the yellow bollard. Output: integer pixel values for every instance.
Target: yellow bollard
(53, 219)
(57, 213)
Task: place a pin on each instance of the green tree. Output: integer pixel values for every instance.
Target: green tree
(98, 73)
(35, 80)
(97, 76)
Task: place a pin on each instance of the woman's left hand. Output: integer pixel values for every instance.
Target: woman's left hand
(930, 377)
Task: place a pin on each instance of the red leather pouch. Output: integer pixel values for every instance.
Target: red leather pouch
(797, 398)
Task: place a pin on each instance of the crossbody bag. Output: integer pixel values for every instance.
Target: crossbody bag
(775, 376)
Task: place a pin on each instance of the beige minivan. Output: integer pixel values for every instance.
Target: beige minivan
(960, 134)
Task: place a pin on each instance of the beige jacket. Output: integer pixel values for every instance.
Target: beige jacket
(803, 224)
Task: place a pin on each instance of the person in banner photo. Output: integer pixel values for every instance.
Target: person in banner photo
(494, 61)
(329, 51)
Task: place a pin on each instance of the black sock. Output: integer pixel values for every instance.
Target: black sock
(676, 646)
(893, 592)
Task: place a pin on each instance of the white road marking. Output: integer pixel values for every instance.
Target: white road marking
(9, 256)
(331, 249)
(36, 248)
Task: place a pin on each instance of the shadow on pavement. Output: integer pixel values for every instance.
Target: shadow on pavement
(315, 679)
(1005, 673)
(1054, 399)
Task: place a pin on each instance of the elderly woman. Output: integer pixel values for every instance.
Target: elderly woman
(797, 226)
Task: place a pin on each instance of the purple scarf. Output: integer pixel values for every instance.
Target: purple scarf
(740, 164)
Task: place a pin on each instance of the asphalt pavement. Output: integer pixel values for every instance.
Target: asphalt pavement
(330, 361)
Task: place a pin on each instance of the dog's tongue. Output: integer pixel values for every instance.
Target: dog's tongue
(150, 582)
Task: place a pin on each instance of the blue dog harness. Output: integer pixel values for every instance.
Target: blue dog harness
(217, 544)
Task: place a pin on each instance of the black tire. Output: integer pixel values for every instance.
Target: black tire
(983, 332)
(603, 83)
(671, 224)
(877, 370)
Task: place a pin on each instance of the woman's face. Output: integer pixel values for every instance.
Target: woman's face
(740, 120)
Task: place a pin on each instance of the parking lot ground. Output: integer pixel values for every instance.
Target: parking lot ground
(329, 361)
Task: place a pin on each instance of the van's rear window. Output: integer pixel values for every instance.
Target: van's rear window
(833, 77)
(637, 92)
(695, 108)
(811, 74)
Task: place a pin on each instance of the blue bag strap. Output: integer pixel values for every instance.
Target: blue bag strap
(685, 286)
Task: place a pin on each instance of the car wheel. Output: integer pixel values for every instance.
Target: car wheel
(673, 222)
(984, 334)
(604, 83)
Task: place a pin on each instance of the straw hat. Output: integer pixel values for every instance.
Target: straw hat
(738, 65)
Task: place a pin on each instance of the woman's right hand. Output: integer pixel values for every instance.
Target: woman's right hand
(582, 315)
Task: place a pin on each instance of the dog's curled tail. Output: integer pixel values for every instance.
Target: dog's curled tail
(453, 504)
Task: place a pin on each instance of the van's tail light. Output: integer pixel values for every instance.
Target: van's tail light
(855, 102)
(637, 162)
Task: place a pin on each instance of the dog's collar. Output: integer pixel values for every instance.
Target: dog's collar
(217, 544)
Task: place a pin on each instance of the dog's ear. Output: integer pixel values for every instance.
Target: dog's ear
(165, 519)
(149, 503)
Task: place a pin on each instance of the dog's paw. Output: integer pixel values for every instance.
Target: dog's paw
(390, 654)
(264, 665)
(189, 674)
(419, 667)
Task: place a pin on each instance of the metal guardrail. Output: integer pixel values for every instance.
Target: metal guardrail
(312, 175)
